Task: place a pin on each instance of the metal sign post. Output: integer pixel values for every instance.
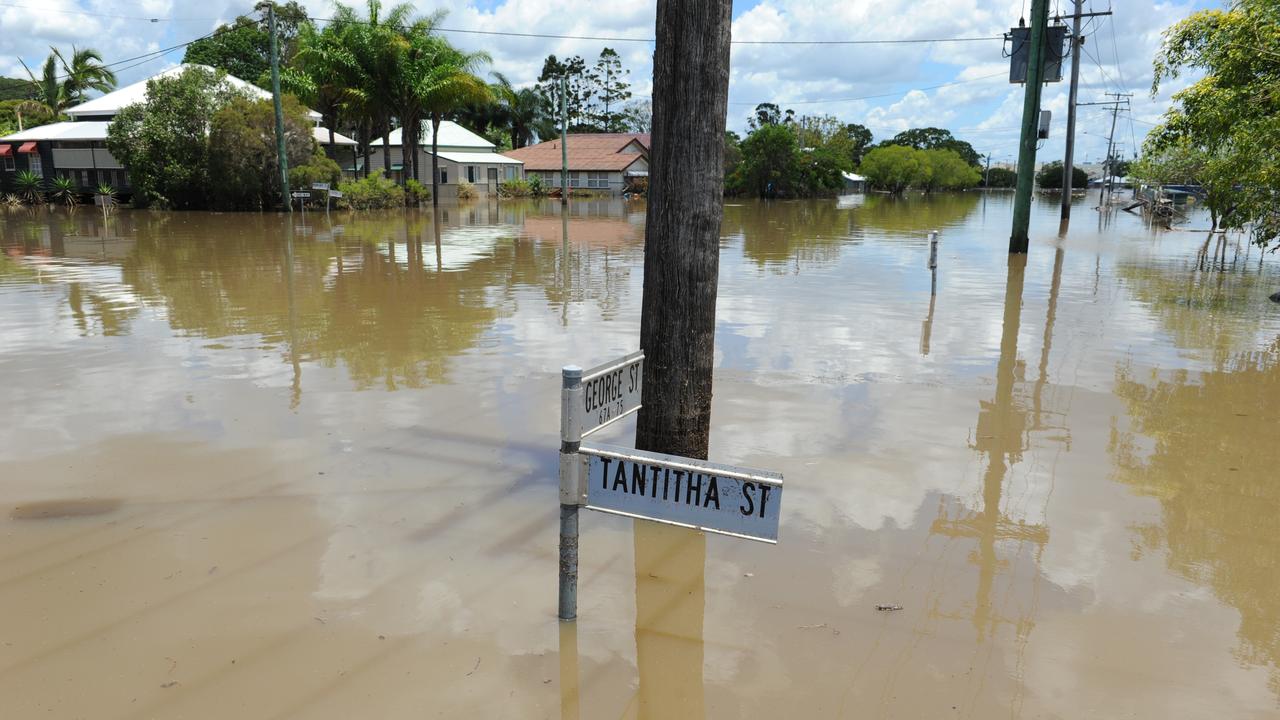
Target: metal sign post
(734, 501)
(323, 187)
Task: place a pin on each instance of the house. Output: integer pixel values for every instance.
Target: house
(463, 155)
(78, 148)
(610, 162)
(853, 183)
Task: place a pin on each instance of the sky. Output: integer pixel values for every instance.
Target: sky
(961, 86)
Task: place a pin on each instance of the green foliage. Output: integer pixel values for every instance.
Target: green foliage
(597, 95)
(415, 193)
(63, 190)
(243, 48)
(32, 115)
(1050, 176)
(375, 192)
(1230, 118)
(515, 188)
(536, 187)
(998, 177)
(848, 141)
(896, 168)
(769, 163)
(164, 140)
(244, 170)
(320, 168)
(949, 171)
(14, 89)
(932, 138)
(732, 152)
(466, 191)
(29, 185)
(64, 83)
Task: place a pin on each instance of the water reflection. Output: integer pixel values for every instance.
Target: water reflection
(670, 601)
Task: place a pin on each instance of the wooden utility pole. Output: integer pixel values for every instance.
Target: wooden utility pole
(1107, 164)
(275, 95)
(1077, 43)
(1018, 240)
(682, 224)
(564, 141)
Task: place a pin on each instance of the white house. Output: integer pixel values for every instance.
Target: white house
(463, 155)
(78, 148)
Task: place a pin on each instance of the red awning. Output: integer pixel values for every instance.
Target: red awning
(6, 150)
(28, 147)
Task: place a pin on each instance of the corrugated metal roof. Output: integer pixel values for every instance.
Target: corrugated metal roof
(115, 101)
(70, 131)
(587, 151)
(451, 135)
(478, 158)
(321, 135)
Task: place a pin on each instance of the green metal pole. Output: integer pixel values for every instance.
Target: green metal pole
(275, 93)
(564, 140)
(1019, 241)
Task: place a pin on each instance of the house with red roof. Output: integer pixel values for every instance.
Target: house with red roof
(604, 162)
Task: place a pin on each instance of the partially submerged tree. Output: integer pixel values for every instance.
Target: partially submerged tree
(1050, 176)
(1232, 114)
(895, 167)
(244, 171)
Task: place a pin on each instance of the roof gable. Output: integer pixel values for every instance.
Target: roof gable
(587, 151)
(116, 100)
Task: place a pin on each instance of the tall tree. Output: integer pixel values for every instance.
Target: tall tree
(449, 82)
(932, 138)
(243, 47)
(83, 73)
(48, 94)
(520, 110)
(611, 89)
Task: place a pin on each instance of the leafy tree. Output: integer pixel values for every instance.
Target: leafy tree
(998, 177)
(769, 159)
(1232, 114)
(931, 138)
(1050, 176)
(244, 172)
(578, 99)
(638, 115)
(12, 110)
(14, 89)
(450, 81)
(732, 153)
(765, 114)
(520, 110)
(163, 141)
(243, 48)
(949, 171)
(847, 141)
(819, 172)
(896, 167)
(48, 94)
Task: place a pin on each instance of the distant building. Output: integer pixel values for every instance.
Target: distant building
(608, 162)
(78, 148)
(463, 155)
(854, 183)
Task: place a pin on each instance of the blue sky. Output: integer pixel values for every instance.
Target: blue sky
(812, 79)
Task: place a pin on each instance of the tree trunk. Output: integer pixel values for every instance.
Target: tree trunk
(682, 224)
(435, 170)
(386, 148)
(412, 130)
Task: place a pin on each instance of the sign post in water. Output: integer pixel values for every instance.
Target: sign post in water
(734, 501)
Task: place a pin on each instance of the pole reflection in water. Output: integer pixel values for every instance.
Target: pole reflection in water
(435, 228)
(670, 600)
(569, 688)
(295, 393)
(1001, 436)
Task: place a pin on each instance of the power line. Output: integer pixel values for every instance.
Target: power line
(87, 13)
(882, 95)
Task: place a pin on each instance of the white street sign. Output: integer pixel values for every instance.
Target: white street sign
(335, 193)
(301, 194)
(741, 502)
(319, 186)
(610, 392)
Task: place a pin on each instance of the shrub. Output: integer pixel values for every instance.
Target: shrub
(536, 188)
(375, 192)
(415, 193)
(466, 191)
(320, 168)
(639, 186)
(30, 186)
(998, 177)
(1050, 177)
(515, 188)
(63, 190)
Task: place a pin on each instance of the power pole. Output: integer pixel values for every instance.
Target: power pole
(1018, 240)
(275, 94)
(1068, 159)
(1106, 164)
(986, 174)
(564, 141)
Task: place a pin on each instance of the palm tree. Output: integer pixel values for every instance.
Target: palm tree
(449, 82)
(321, 75)
(521, 110)
(49, 95)
(85, 72)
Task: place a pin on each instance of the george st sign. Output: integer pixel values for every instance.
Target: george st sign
(610, 392)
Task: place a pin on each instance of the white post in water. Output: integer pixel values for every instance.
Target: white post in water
(933, 261)
(570, 490)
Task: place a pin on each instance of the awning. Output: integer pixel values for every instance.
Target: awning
(28, 147)
(6, 150)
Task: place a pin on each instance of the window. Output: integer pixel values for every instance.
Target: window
(444, 176)
(84, 178)
(8, 163)
(597, 179)
(471, 173)
(511, 172)
(575, 179)
(124, 175)
(34, 164)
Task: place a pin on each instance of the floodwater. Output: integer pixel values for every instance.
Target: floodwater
(264, 467)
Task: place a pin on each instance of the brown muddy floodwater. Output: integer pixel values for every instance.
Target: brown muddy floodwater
(265, 467)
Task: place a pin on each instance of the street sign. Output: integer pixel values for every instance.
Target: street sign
(707, 496)
(335, 193)
(319, 186)
(301, 194)
(610, 392)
